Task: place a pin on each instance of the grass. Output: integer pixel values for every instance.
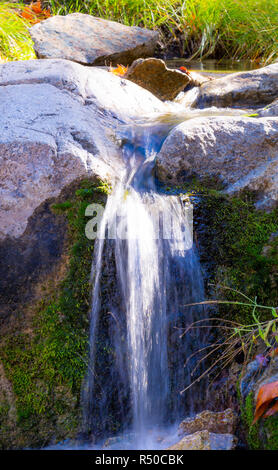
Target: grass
(15, 41)
(192, 28)
(200, 28)
(235, 338)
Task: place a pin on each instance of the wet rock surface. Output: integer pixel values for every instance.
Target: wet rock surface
(240, 151)
(205, 440)
(244, 89)
(269, 111)
(91, 41)
(222, 422)
(25, 261)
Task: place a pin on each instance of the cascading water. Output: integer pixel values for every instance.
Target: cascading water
(144, 273)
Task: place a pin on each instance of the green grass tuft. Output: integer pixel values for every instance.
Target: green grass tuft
(15, 40)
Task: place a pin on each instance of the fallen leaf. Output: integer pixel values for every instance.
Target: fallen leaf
(184, 69)
(272, 410)
(273, 352)
(120, 70)
(46, 13)
(27, 14)
(36, 7)
(267, 394)
(34, 13)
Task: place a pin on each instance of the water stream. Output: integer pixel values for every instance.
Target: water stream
(145, 271)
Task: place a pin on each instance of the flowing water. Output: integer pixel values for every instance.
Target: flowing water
(214, 66)
(145, 271)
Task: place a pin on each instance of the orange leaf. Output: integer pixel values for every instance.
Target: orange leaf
(266, 395)
(36, 7)
(184, 69)
(272, 410)
(27, 14)
(273, 352)
(46, 13)
(120, 70)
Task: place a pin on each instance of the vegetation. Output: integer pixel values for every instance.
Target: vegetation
(200, 28)
(15, 41)
(239, 249)
(192, 28)
(264, 436)
(240, 245)
(46, 361)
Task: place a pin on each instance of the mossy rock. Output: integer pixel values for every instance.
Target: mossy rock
(238, 249)
(263, 435)
(44, 349)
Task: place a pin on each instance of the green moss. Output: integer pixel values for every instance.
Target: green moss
(271, 431)
(238, 252)
(251, 115)
(264, 433)
(47, 365)
(252, 430)
(232, 235)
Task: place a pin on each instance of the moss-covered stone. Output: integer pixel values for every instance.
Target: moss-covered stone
(247, 416)
(231, 235)
(263, 435)
(45, 354)
(238, 248)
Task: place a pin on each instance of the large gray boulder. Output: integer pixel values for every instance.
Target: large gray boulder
(58, 122)
(244, 89)
(242, 152)
(90, 40)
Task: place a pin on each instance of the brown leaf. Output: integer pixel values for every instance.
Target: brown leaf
(266, 395)
(272, 410)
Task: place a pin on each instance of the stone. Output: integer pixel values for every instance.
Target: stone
(153, 75)
(251, 89)
(239, 151)
(58, 124)
(91, 41)
(266, 251)
(270, 110)
(205, 440)
(198, 79)
(222, 422)
(254, 370)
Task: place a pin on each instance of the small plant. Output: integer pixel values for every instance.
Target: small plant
(237, 338)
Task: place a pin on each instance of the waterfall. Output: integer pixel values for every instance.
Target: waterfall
(145, 271)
